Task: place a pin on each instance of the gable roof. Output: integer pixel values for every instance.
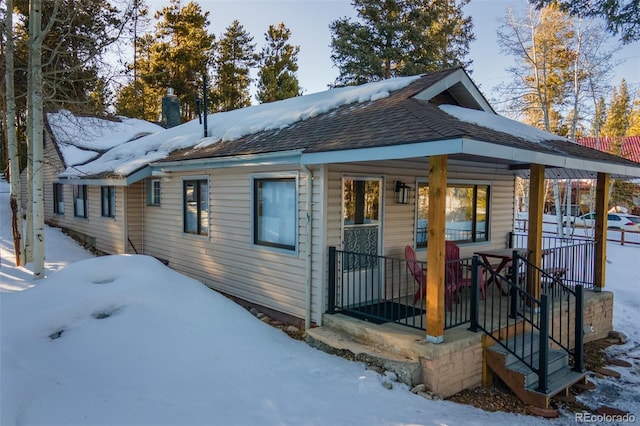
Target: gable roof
(630, 147)
(82, 138)
(433, 114)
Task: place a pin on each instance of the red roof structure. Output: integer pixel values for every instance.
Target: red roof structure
(630, 148)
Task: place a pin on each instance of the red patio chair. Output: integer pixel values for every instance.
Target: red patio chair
(454, 274)
(420, 276)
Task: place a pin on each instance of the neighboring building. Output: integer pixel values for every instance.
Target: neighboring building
(252, 210)
(627, 146)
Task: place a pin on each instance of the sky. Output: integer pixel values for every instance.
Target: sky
(309, 22)
(124, 340)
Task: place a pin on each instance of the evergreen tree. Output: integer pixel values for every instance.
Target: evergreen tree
(233, 62)
(618, 113)
(278, 65)
(399, 37)
(181, 53)
(140, 99)
(77, 34)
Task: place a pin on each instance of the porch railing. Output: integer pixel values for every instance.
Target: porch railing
(569, 259)
(381, 289)
(526, 326)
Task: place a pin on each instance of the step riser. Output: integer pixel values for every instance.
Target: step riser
(556, 361)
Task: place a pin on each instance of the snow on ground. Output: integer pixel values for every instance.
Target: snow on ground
(124, 340)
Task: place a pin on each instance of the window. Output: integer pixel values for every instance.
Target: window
(80, 200)
(467, 213)
(275, 212)
(196, 206)
(58, 198)
(108, 197)
(153, 192)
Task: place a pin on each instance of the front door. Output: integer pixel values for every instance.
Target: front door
(362, 226)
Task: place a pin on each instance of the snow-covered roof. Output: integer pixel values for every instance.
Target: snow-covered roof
(499, 123)
(83, 138)
(129, 157)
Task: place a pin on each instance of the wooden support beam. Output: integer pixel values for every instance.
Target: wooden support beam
(534, 241)
(602, 207)
(435, 248)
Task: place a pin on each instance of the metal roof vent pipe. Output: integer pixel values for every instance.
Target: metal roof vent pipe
(170, 109)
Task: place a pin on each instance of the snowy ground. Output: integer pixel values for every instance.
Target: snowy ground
(123, 340)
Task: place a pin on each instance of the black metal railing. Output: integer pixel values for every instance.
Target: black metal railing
(570, 260)
(383, 289)
(525, 325)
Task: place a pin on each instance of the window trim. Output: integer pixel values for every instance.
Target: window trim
(151, 200)
(76, 192)
(453, 183)
(58, 197)
(111, 201)
(261, 177)
(199, 230)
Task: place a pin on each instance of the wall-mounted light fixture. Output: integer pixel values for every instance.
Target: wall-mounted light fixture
(402, 192)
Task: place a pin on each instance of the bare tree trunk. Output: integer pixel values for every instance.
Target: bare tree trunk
(12, 139)
(37, 141)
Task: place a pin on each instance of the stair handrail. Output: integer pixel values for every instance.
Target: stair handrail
(534, 312)
(555, 289)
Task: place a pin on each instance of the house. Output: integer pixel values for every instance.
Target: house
(287, 205)
(89, 213)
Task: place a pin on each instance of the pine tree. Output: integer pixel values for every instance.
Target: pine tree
(141, 99)
(278, 65)
(396, 37)
(617, 121)
(181, 53)
(233, 62)
(77, 35)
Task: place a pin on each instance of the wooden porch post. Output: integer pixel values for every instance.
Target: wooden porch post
(602, 206)
(534, 244)
(435, 248)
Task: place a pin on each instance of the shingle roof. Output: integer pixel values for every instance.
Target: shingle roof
(395, 120)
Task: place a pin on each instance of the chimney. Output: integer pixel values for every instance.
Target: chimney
(170, 109)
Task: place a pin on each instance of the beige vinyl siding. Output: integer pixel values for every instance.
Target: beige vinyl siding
(398, 220)
(226, 259)
(135, 199)
(107, 233)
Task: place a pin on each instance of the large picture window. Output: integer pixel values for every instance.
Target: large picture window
(196, 206)
(58, 198)
(275, 212)
(108, 197)
(80, 201)
(467, 213)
